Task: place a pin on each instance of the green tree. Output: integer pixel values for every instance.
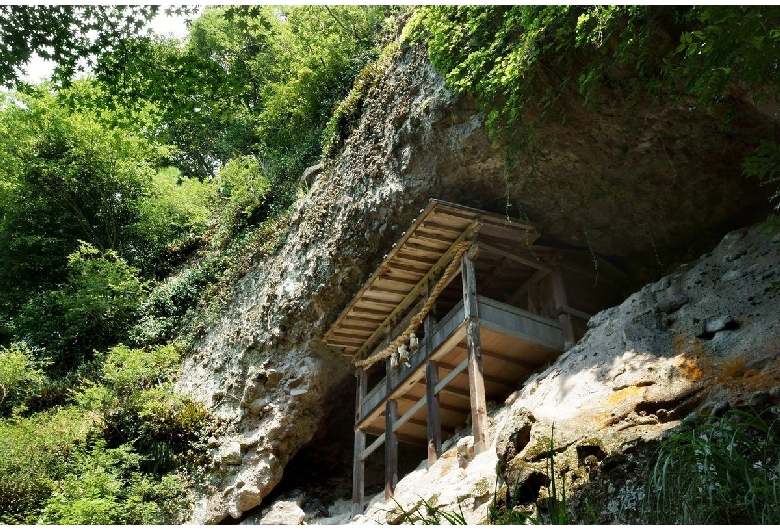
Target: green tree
(66, 34)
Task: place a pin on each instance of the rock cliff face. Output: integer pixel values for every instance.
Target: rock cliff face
(646, 185)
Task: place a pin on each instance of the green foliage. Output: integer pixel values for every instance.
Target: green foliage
(427, 514)
(127, 370)
(516, 58)
(20, 374)
(173, 216)
(35, 455)
(90, 312)
(724, 471)
(64, 34)
(764, 164)
(243, 193)
(105, 486)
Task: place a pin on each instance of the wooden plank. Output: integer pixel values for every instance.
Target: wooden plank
(433, 402)
(422, 284)
(377, 273)
(358, 463)
(387, 290)
(514, 257)
(409, 413)
(452, 375)
(373, 447)
(492, 379)
(479, 423)
(365, 311)
(411, 269)
(418, 256)
(507, 359)
(378, 301)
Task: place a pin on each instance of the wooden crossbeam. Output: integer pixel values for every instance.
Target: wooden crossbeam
(533, 280)
(525, 261)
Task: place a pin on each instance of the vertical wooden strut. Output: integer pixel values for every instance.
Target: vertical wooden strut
(391, 440)
(358, 464)
(561, 301)
(474, 345)
(432, 398)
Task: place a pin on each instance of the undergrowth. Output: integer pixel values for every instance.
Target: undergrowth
(724, 471)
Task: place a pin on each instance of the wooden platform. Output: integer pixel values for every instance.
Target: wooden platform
(514, 344)
(514, 309)
(414, 261)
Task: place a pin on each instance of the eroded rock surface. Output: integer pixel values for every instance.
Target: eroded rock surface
(622, 182)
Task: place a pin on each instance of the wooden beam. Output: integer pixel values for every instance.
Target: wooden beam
(450, 376)
(411, 398)
(371, 448)
(479, 422)
(574, 312)
(508, 359)
(358, 463)
(409, 413)
(517, 295)
(559, 292)
(391, 449)
(433, 403)
(404, 304)
(487, 378)
(386, 290)
(514, 257)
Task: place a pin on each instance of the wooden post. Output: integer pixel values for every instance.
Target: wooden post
(432, 398)
(358, 464)
(561, 301)
(391, 440)
(476, 379)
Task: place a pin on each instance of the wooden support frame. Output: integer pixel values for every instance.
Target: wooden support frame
(479, 422)
(359, 463)
(433, 409)
(391, 441)
(561, 301)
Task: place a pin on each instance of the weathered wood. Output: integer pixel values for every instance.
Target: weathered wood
(559, 293)
(391, 448)
(519, 259)
(574, 312)
(358, 464)
(433, 402)
(476, 377)
(407, 417)
(387, 290)
(477, 389)
(373, 447)
(433, 412)
(400, 327)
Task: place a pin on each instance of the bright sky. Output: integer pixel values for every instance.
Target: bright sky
(174, 26)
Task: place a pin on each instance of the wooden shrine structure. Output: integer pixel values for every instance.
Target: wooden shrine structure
(435, 350)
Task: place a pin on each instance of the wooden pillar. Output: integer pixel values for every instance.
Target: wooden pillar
(561, 301)
(479, 422)
(391, 440)
(431, 397)
(358, 464)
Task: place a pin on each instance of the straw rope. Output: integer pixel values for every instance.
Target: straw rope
(403, 338)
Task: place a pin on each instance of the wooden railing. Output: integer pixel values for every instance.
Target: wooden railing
(494, 315)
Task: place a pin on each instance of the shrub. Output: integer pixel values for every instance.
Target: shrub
(35, 452)
(20, 375)
(106, 487)
(128, 370)
(724, 471)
